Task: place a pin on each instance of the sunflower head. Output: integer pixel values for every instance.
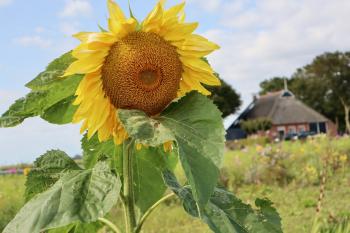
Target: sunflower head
(137, 66)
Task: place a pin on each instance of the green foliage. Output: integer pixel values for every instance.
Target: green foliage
(79, 195)
(61, 112)
(78, 228)
(93, 150)
(256, 125)
(47, 169)
(225, 213)
(144, 129)
(298, 162)
(49, 98)
(225, 98)
(273, 84)
(337, 225)
(195, 123)
(149, 185)
(148, 166)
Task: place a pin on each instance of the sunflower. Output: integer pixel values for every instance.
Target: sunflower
(140, 66)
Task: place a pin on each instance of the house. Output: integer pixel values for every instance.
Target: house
(287, 114)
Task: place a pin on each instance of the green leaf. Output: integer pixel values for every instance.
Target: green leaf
(198, 128)
(149, 185)
(196, 125)
(144, 129)
(83, 195)
(61, 113)
(225, 213)
(37, 102)
(50, 92)
(148, 166)
(94, 150)
(52, 73)
(47, 169)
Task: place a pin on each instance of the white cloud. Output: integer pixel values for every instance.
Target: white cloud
(74, 8)
(5, 2)
(36, 41)
(208, 5)
(39, 29)
(69, 28)
(274, 38)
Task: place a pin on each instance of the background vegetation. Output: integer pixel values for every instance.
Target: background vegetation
(289, 173)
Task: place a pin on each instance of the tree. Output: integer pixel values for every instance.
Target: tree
(273, 84)
(225, 98)
(333, 70)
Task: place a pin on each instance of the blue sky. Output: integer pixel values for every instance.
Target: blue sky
(259, 39)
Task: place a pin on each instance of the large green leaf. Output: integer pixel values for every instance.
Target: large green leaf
(61, 112)
(78, 196)
(52, 73)
(225, 213)
(47, 169)
(49, 93)
(147, 169)
(37, 102)
(196, 125)
(149, 185)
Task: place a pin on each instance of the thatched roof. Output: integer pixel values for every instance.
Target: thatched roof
(282, 108)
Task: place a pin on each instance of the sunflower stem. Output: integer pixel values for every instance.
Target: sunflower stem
(128, 187)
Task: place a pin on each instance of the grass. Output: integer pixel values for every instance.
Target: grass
(11, 197)
(289, 174)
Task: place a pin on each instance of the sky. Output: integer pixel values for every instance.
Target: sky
(259, 39)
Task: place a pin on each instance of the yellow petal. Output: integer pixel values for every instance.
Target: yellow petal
(84, 127)
(153, 19)
(138, 146)
(122, 29)
(196, 43)
(106, 129)
(196, 64)
(98, 115)
(115, 12)
(174, 11)
(203, 77)
(101, 37)
(193, 53)
(84, 66)
(180, 31)
(195, 85)
(168, 146)
(184, 88)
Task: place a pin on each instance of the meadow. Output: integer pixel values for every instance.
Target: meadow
(290, 174)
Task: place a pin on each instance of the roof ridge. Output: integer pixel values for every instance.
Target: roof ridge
(273, 109)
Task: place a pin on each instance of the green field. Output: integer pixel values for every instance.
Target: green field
(289, 174)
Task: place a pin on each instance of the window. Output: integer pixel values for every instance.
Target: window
(301, 128)
(292, 129)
